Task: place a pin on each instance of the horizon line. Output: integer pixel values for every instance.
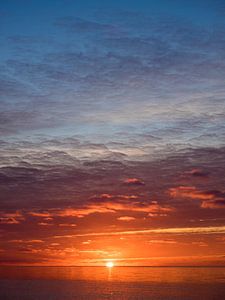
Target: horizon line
(115, 266)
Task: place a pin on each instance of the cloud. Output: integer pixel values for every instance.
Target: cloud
(200, 244)
(198, 173)
(170, 242)
(27, 241)
(210, 198)
(44, 224)
(207, 230)
(106, 207)
(178, 230)
(133, 182)
(112, 197)
(87, 187)
(191, 192)
(40, 214)
(119, 71)
(126, 218)
(67, 225)
(88, 242)
(217, 203)
(11, 217)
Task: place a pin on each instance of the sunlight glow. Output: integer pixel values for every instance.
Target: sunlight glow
(109, 264)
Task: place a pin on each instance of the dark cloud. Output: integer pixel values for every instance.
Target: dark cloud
(217, 203)
(198, 173)
(37, 178)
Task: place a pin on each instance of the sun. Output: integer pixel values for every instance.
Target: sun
(109, 264)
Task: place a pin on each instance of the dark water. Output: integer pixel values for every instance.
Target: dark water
(69, 283)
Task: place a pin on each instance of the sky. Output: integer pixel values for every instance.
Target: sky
(112, 133)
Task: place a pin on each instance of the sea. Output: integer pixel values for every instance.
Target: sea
(119, 283)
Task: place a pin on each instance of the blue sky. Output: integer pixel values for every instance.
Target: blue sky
(90, 65)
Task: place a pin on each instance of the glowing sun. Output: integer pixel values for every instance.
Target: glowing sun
(109, 264)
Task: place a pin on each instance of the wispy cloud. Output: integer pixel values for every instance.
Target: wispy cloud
(184, 230)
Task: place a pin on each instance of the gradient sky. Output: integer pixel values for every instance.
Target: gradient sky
(112, 132)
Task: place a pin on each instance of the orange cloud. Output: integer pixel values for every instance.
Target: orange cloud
(43, 214)
(174, 230)
(11, 218)
(67, 225)
(81, 212)
(114, 197)
(190, 192)
(126, 218)
(27, 241)
(162, 242)
(44, 224)
(111, 205)
(217, 203)
(133, 181)
(88, 242)
(210, 199)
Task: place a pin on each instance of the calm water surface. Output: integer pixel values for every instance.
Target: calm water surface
(68, 283)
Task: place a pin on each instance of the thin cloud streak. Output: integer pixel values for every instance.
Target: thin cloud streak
(184, 230)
